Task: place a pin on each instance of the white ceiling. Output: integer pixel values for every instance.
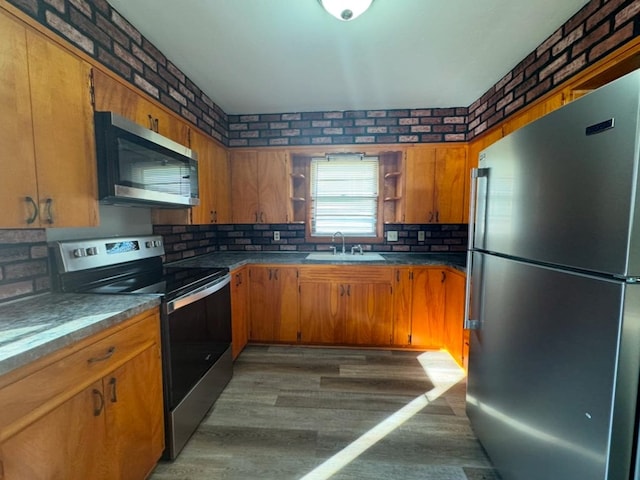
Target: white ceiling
(277, 56)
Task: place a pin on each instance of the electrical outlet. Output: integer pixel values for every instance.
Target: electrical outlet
(392, 236)
(276, 235)
(421, 236)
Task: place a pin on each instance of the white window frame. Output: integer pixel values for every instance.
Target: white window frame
(349, 200)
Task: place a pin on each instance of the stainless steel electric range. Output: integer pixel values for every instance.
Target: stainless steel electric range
(195, 318)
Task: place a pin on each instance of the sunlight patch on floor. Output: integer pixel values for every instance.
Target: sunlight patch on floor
(443, 372)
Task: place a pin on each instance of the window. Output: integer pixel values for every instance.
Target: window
(344, 195)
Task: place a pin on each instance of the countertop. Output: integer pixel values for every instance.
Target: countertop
(234, 260)
(36, 326)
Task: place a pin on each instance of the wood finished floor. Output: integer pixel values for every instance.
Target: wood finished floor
(312, 414)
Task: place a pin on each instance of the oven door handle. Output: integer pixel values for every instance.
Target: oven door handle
(198, 294)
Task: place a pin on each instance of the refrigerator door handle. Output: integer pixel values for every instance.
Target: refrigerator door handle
(476, 173)
(471, 324)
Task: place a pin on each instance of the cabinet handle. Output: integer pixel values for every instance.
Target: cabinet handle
(189, 137)
(348, 290)
(47, 205)
(155, 123)
(34, 205)
(275, 274)
(104, 357)
(215, 216)
(437, 217)
(261, 217)
(270, 274)
(97, 395)
(256, 214)
(150, 122)
(113, 385)
(342, 290)
(444, 277)
(430, 217)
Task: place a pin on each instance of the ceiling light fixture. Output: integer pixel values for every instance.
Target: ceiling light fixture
(346, 9)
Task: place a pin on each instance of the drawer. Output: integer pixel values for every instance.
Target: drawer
(346, 274)
(38, 392)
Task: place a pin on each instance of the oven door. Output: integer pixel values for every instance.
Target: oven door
(197, 359)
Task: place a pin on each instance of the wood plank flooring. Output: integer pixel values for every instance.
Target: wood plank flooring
(318, 413)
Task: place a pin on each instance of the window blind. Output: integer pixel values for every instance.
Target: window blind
(344, 195)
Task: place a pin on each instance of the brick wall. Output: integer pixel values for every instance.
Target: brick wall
(97, 29)
(185, 241)
(24, 268)
(350, 127)
(596, 30)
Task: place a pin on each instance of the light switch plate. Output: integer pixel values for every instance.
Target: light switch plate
(276, 235)
(392, 236)
(421, 236)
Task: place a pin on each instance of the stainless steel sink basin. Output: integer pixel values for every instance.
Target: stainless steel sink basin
(345, 257)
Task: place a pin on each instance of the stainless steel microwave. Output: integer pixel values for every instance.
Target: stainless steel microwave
(137, 166)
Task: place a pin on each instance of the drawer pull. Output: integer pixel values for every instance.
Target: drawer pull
(100, 405)
(104, 357)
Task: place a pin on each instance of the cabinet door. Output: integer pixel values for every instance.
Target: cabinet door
(63, 133)
(221, 178)
(369, 319)
(112, 96)
(134, 413)
(402, 306)
(239, 321)
(427, 307)
(273, 182)
(244, 187)
(18, 179)
(68, 443)
(322, 312)
(273, 304)
(419, 186)
(450, 175)
(454, 315)
(204, 212)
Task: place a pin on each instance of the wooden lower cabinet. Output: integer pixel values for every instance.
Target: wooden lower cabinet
(94, 410)
(239, 310)
(273, 304)
(427, 307)
(346, 305)
(453, 339)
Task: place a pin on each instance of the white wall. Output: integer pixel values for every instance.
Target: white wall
(115, 221)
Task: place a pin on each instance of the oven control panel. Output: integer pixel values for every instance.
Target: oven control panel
(83, 254)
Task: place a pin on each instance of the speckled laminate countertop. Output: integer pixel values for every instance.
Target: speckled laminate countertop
(37, 326)
(237, 259)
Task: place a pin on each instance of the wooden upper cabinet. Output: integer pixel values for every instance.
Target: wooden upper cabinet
(46, 135)
(260, 186)
(435, 184)
(213, 182)
(113, 96)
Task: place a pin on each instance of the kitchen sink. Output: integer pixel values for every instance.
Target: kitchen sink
(345, 257)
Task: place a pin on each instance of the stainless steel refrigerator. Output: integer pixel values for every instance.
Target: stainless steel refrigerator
(553, 299)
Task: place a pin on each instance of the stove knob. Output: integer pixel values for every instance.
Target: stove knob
(158, 243)
(149, 243)
(79, 252)
(92, 251)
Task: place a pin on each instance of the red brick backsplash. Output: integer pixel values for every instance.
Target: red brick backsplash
(24, 266)
(185, 241)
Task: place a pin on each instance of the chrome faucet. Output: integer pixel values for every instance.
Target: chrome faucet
(357, 248)
(333, 239)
